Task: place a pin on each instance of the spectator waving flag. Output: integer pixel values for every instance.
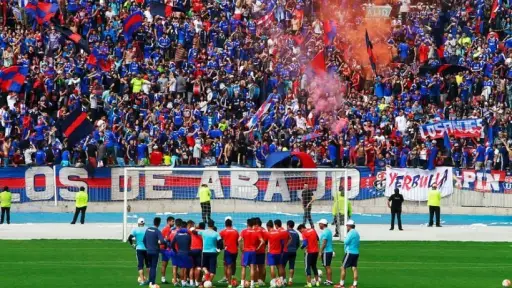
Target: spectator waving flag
(42, 12)
(329, 31)
(267, 105)
(369, 48)
(76, 126)
(131, 24)
(12, 78)
(75, 37)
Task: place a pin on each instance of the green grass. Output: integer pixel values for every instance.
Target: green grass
(88, 264)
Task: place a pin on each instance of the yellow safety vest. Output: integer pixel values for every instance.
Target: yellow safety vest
(81, 199)
(434, 198)
(204, 194)
(339, 207)
(5, 199)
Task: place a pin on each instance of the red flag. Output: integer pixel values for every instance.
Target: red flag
(318, 63)
(494, 9)
(298, 39)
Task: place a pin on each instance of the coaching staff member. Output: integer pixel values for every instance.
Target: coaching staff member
(153, 238)
(395, 203)
(81, 200)
(5, 205)
(205, 196)
(137, 234)
(352, 243)
(434, 206)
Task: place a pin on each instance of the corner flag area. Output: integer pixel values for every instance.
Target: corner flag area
(110, 263)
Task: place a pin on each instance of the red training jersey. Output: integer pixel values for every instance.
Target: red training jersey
(251, 239)
(263, 234)
(197, 241)
(286, 237)
(165, 232)
(312, 238)
(275, 241)
(230, 238)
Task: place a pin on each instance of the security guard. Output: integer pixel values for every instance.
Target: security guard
(5, 205)
(338, 211)
(81, 200)
(204, 198)
(395, 203)
(434, 206)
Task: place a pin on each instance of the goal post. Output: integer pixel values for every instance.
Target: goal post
(237, 192)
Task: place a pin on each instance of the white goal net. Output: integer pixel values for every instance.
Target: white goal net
(239, 193)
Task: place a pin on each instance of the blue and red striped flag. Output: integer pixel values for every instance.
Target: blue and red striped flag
(161, 9)
(99, 61)
(75, 37)
(76, 126)
(267, 105)
(12, 78)
(131, 24)
(41, 11)
(329, 31)
(369, 49)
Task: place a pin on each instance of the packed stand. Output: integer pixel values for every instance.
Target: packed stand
(184, 90)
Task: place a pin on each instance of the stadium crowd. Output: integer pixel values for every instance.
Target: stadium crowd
(186, 88)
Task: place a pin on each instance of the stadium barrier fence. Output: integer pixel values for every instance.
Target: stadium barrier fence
(52, 189)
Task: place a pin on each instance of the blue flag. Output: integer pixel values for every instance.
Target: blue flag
(446, 141)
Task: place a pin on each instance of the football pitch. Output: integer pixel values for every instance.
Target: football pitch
(108, 263)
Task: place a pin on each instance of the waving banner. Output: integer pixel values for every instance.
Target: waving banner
(457, 128)
(415, 183)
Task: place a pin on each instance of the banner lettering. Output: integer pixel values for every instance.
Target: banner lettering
(414, 184)
(38, 183)
(458, 128)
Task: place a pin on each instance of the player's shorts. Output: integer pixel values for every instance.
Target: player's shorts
(248, 258)
(260, 259)
(166, 255)
(209, 262)
(183, 261)
(196, 257)
(350, 260)
(326, 259)
(311, 259)
(142, 259)
(230, 258)
(273, 259)
(289, 259)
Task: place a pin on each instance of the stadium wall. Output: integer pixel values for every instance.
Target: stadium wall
(52, 189)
